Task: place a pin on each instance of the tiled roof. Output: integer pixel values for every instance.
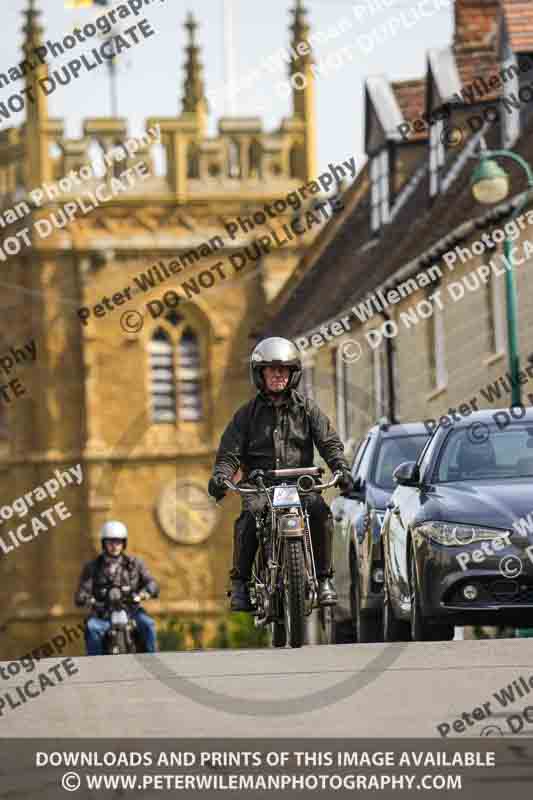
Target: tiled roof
(519, 20)
(350, 268)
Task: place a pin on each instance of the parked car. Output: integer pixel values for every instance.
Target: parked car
(357, 553)
(458, 537)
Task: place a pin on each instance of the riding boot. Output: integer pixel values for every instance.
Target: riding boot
(322, 549)
(244, 550)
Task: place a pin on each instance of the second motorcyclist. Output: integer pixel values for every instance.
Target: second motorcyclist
(114, 567)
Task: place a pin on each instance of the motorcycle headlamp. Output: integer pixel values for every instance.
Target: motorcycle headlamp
(453, 535)
(291, 525)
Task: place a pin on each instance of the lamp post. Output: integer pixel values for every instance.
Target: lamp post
(490, 184)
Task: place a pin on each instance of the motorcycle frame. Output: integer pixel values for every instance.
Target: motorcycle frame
(272, 568)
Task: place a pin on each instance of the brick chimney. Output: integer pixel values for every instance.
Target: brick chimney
(475, 23)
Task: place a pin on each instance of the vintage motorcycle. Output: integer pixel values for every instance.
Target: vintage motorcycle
(284, 585)
(119, 608)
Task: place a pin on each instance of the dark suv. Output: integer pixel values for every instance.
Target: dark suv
(357, 551)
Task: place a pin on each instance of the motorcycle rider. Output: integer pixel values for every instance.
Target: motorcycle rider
(114, 568)
(277, 429)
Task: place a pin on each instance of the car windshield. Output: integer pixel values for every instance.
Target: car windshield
(485, 451)
(393, 452)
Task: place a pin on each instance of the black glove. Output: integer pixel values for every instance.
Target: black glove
(346, 484)
(255, 474)
(216, 487)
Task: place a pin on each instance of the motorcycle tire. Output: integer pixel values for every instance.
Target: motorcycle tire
(294, 592)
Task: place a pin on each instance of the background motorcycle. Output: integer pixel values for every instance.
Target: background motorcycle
(119, 608)
(284, 585)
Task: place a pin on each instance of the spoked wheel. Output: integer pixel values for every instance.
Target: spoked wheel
(326, 615)
(294, 592)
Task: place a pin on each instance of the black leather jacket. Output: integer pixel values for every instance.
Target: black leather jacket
(100, 575)
(264, 436)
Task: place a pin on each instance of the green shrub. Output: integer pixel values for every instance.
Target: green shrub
(235, 632)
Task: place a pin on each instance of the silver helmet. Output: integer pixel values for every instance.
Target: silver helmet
(114, 530)
(275, 352)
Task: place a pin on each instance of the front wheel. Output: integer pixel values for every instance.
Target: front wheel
(294, 592)
(421, 630)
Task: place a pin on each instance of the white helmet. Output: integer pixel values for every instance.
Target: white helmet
(114, 530)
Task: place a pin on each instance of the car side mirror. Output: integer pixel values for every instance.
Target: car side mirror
(407, 474)
(358, 491)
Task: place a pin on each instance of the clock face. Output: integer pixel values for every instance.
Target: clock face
(186, 513)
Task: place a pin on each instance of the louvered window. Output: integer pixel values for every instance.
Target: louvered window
(162, 378)
(189, 377)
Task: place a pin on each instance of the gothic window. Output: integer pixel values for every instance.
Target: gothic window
(193, 162)
(254, 158)
(95, 152)
(234, 159)
(159, 159)
(162, 378)
(436, 155)
(295, 161)
(379, 194)
(119, 166)
(189, 377)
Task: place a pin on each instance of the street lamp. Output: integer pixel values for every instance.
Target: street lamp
(490, 184)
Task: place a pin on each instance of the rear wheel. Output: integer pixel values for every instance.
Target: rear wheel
(294, 592)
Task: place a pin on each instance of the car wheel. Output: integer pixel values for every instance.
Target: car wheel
(368, 628)
(394, 630)
(419, 627)
(422, 631)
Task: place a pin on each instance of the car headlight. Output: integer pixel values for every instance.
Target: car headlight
(448, 533)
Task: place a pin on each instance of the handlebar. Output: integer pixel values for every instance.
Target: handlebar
(262, 489)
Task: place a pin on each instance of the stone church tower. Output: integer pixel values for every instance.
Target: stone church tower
(136, 389)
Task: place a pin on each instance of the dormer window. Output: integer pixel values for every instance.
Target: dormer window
(379, 196)
(436, 155)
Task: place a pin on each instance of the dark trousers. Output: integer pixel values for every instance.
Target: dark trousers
(245, 538)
